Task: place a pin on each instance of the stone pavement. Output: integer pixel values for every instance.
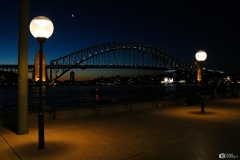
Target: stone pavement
(166, 132)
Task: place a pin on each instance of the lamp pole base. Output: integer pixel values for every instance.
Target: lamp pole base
(41, 131)
(202, 105)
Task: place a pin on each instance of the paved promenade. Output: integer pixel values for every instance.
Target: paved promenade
(166, 132)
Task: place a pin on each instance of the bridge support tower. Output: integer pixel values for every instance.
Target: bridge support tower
(36, 73)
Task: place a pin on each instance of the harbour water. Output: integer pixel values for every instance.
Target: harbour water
(77, 96)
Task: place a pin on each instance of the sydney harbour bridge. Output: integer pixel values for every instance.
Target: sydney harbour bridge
(128, 55)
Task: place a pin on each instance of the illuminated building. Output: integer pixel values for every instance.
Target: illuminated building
(36, 67)
(167, 80)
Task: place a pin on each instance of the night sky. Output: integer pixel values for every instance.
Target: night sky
(179, 27)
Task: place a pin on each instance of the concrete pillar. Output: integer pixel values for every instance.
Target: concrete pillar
(22, 123)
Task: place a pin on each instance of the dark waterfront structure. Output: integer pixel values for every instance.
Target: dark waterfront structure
(72, 76)
(9, 78)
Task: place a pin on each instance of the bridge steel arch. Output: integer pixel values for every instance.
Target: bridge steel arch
(94, 57)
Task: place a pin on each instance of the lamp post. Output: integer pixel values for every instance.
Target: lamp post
(41, 28)
(201, 57)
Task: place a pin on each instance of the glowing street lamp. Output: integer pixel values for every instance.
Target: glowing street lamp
(41, 28)
(201, 57)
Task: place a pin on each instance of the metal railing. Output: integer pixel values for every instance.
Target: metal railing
(95, 104)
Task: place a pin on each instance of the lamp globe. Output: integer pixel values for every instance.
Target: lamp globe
(41, 27)
(201, 55)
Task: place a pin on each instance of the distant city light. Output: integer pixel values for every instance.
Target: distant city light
(170, 71)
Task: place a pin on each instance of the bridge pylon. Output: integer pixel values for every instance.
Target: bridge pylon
(36, 73)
